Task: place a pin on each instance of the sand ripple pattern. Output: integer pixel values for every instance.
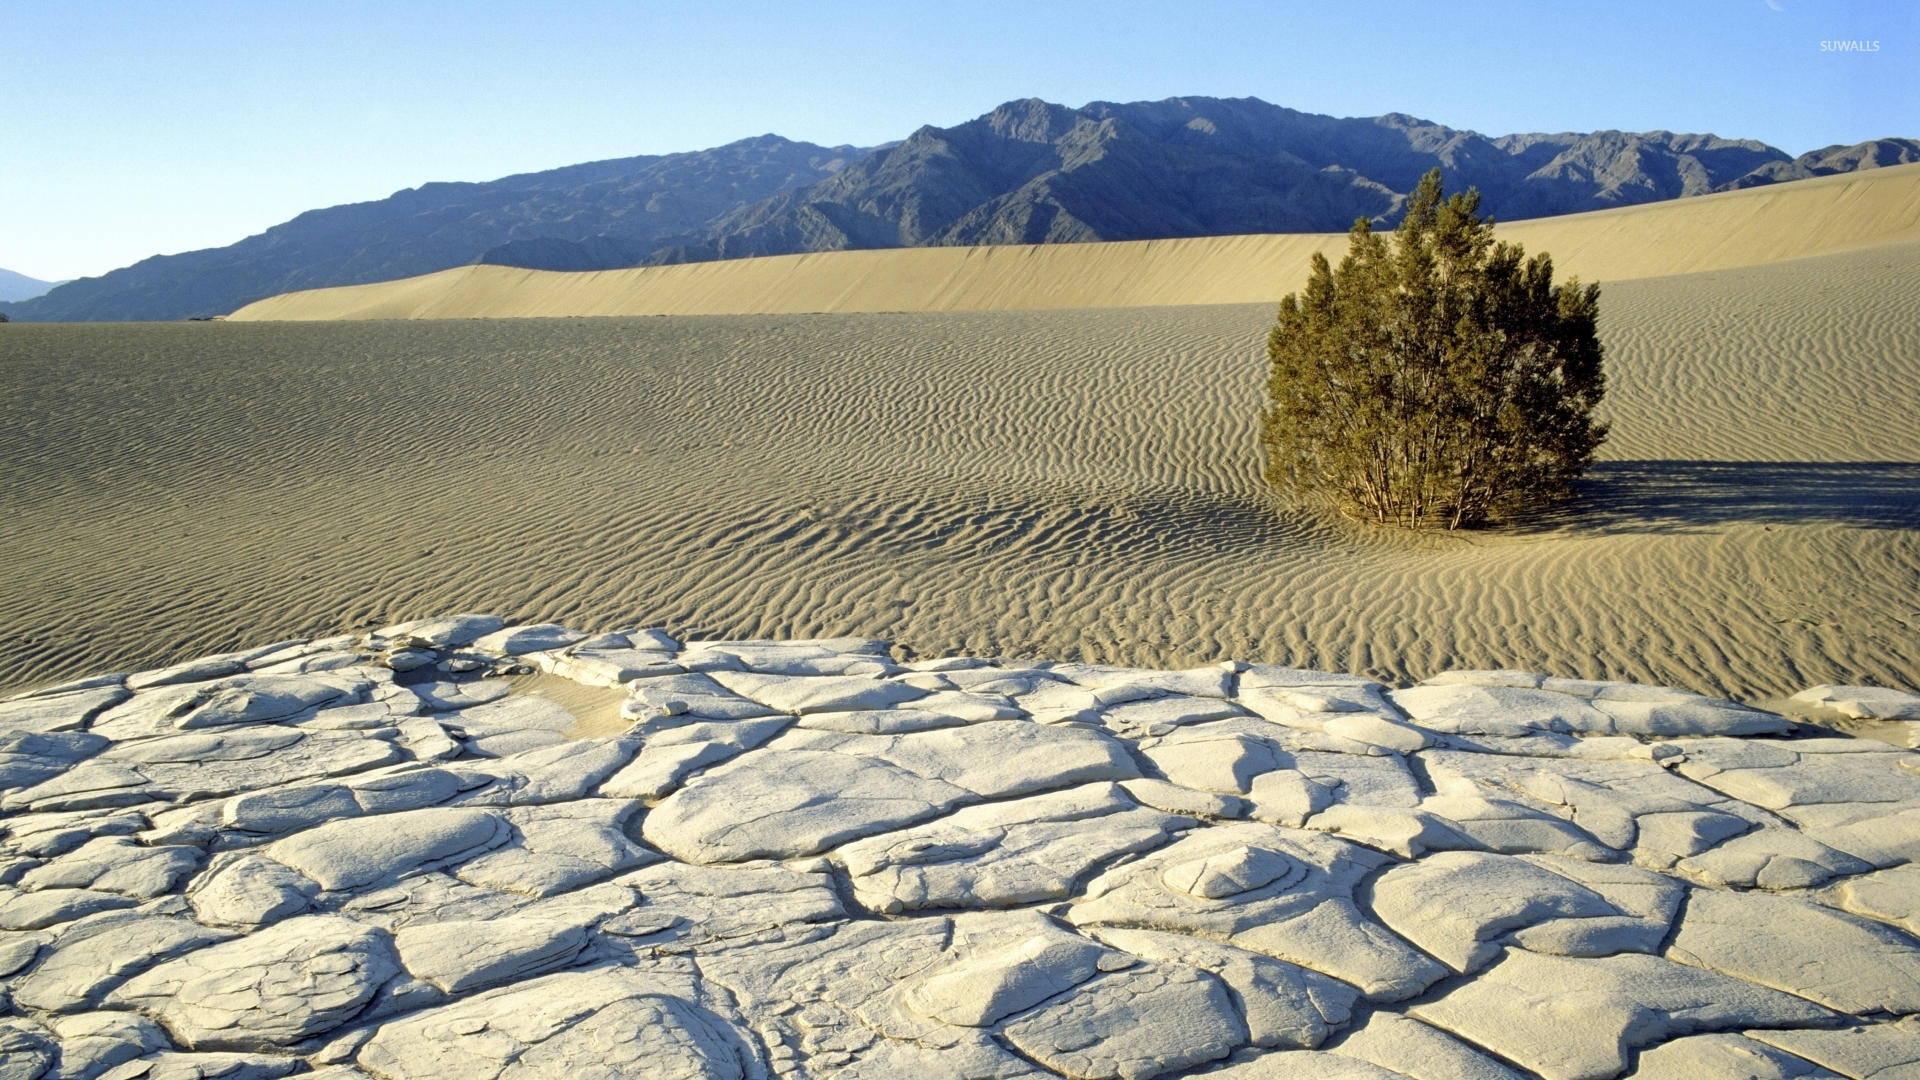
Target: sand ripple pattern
(1067, 484)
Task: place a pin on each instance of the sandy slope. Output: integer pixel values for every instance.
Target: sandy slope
(1068, 484)
(1713, 232)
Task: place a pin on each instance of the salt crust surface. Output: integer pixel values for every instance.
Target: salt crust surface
(368, 857)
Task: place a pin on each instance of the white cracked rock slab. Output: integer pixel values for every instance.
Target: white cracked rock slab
(808, 791)
(1134, 1024)
(59, 712)
(1378, 731)
(993, 760)
(27, 1050)
(788, 803)
(1459, 905)
(1283, 1005)
(30, 757)
(526, 638)
(356, 852)
(247, 890)
(116, 864)
(608, 667)
(826, 656)
(722, 903)
(559, 772)
(1493, 708)
(1185, 802)
(1406, 1047)
(1862, 1052)
(222, 761)
(939, 709)
(442, 632)
(452, 695)
(302, 806)
(1106, 922)
(92, 1043)
(1160, 715)
(1116, 684)
(1809, 771)
(1579, 1019)
(1883, 834)
(1724, 1056)
(694, 695)
(559, 848)
(1629, 805)
(97, 954)
(613, 1022)
(1002, 854)
(987, 988)
(51, 907)
(1511, 827)
(1308, 918)
(801, 694)
(461, 955)
(1306, 1065)
(509, 725)
(1771, 859)
(1841, 961)
(1222, 763)
(671, 752)
(240, 699)
(1648, 903)
(1888, 895)
(41, 836)
(170, 1065)
(1310, 698)
(270, 989)
(1859, 702)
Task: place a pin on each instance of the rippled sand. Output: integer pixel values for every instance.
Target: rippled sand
(1067, 484)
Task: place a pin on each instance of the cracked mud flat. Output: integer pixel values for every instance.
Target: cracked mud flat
(373, 856)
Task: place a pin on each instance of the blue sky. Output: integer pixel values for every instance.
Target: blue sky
(134, 128)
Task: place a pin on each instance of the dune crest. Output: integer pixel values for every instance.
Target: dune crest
(1709, 232)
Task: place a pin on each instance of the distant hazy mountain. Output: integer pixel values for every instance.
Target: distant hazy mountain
(1027, 172)
(635, 204)
(21, 287)
(1834, 159)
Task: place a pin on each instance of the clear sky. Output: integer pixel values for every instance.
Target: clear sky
(136, 128)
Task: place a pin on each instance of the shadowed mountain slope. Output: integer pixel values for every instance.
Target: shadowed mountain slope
(1031, 172)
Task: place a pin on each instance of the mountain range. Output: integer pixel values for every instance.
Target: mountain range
(17, 286)
(1029, 172)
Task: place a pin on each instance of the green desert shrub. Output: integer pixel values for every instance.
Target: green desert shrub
(1441, 379)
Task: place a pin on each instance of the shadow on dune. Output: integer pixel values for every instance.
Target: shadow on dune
(1678, 496)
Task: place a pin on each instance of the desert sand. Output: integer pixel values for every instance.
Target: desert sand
(1075, 485)
(1713, 232)
(1067, 484)
(369, 856)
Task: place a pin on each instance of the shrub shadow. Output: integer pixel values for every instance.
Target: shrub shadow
(1683, 496)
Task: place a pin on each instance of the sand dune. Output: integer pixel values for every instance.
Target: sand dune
(1068, 484)
(1713, 232)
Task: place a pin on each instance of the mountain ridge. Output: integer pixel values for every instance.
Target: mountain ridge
(444, 224)
(17, 286)
(1029, 171)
